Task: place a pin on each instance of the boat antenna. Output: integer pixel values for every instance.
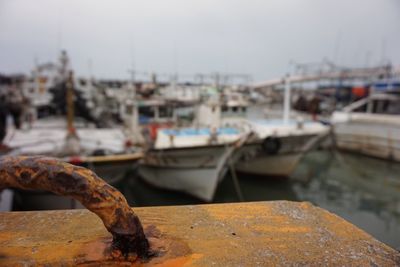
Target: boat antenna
(175, 63)
(336, 49)
(133, 63)
(383, 51)
(90, 69)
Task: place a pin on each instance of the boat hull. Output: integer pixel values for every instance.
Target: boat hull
(253, 159)
(195, 171)
(378, 140)
(111, 168)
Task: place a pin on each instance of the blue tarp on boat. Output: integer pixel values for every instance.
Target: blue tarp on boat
(199, 131)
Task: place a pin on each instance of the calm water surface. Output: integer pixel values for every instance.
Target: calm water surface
(362, 190)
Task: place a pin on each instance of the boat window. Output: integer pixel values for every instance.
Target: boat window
(394, 108)
(224, 108)
(386, 107)
(147, 112)
(165, 112)
(379, 106)
(235, 109)
(244, 109)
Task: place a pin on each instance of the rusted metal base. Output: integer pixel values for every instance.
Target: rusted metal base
(245, 234)
(85, 186)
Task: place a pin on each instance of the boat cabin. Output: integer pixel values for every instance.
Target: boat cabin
(234, 104)
(151, 111)
(387, 104)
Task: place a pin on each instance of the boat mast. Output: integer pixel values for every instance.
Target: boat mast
(72, 144)
(286, 101)
(70, 105)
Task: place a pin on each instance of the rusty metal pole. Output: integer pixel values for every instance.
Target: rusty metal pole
(72, 144)
(85, 186)
(70, 104)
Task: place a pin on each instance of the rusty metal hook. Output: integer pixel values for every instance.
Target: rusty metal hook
(83, 185)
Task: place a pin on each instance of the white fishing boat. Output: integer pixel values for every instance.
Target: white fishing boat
(192, 159)
(370, 126)
(47, 137)
(102, 150)
(275, 146)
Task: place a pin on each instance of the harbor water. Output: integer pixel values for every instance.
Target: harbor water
(362, 190)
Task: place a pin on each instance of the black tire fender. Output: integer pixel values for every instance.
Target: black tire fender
(271, 145)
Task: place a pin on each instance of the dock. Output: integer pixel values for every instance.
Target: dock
(278, 233)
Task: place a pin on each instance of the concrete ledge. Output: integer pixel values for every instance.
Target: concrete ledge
(242, 234)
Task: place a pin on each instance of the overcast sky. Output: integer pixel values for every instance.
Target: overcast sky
(257, 37)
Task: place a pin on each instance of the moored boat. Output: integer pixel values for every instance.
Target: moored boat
(190, 160)
(277, 146)
(370, 126)
(97, 147)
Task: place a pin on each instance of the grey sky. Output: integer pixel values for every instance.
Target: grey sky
(190, 36)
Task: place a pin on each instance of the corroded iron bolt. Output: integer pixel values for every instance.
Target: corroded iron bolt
(61, 178)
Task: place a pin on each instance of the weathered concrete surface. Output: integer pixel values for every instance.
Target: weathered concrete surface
(246, 234)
